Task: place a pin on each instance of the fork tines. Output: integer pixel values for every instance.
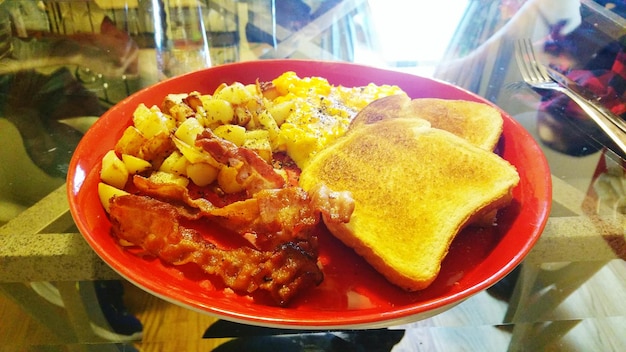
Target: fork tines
(529, 67)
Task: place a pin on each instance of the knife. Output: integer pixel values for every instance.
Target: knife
(586, 94)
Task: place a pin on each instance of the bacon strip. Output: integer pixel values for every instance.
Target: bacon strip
(275, 216)
(254, 173)
(337, 206)
(269, 218)
(170, 191)
(156, 227)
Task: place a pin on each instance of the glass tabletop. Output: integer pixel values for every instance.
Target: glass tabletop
(65, 63)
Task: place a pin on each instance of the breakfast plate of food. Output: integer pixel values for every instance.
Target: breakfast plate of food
(307, 194)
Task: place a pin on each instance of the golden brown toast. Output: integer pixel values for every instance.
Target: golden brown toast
(479, 123)
(415, 188)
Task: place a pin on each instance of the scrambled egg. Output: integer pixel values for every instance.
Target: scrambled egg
(318, 112)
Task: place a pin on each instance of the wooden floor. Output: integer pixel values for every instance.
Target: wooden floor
(167, 327)
(164, 323)
(592, 318)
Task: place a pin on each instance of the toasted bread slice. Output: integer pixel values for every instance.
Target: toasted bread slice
(415, 188)
(479, 123)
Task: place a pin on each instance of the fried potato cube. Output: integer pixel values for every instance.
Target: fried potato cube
(280, 111)
(107, 192)
(232, 133)
(113, 170)
(156, 149)
(268, 123)
(189, 130)
(258, 134)
(194, 154)
(258, 141)
(218, 112)
(253, 89)
(181, 106)
(131, 141)
(244, 117)
(255, 104)
(181, 112)
(175, 163)
(227, 180)
(166, 177)
(193, 100)
(202, 174)
(267, 90)
(261, 147)
(151, 121)
(135, 165)
(171, 100)
(236, 93)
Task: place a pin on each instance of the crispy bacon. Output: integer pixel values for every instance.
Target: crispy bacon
(170, 191)
(269, 218)
(156, 227)
(254, 173)
(336, 206)
(275, 216)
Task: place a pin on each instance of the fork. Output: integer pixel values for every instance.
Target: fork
(536, 76)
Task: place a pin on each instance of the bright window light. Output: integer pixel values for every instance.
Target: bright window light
(416, 33)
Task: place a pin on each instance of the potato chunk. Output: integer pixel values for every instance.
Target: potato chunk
(232, 133)
(259, 142)
(227, 180)
(107, 192)
(218, 112)
(189, 130)
(135, 165)
(166, 177)
(202, 174)
(151, 122)
(175, 164)
(113, 170)
(130, 142)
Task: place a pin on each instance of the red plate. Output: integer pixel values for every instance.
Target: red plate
(352, 295)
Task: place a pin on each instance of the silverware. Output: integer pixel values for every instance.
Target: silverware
(589, 96)
(537, 76)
